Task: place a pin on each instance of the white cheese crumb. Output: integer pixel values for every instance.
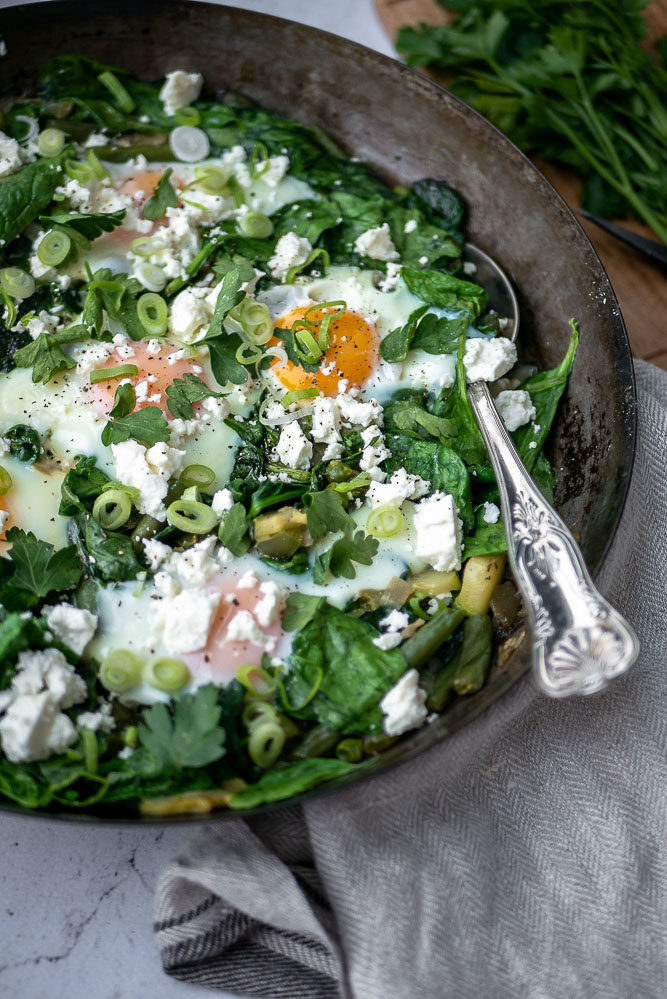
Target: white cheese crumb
(149, 471)
(188, 314)
(185, 620)
(400, 487)
(377, 244)
(266, 609)
(491, 513)
(391, 279)
(156, 553)
(404, 706)
(293, 448)
(222, 500)
(388, 640)
(395, 620)
(10, 155)
(97, 721)
(244, 628)
(291, 250)
(354, 413)
(410, 225)
(488, 359)
(374, 453)
(516, 408)
(438, 530)
(180, 89)
(248, 581)
(74, 626)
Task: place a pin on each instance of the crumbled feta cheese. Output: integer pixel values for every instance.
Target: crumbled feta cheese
(410, 225)
(266, 609)
(216, 409)
(377, 244)
(97, 721)
(10, 155)
(244, 628)
(248, 581)
(374, 453)
(291, 250)
(388, 640)
(166, 585)
(488, 359)
(188, 314)
(185, 620)
(354, 413)
(74, 626)
(222, 500)
(149, 471)
(43, 322)
(156, 553)
(33, 726)
(293, 448)
(491, 513)
(89, 356)
(180, 89)
(95, 139)
(404, 706)
(391, 278)
(325, 426)
(400, 487)
(196, 565)
(275, 171)
(438, 531)
(395, 620)
(516, 408)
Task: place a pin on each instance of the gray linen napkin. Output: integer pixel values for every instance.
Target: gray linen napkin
(524, 856)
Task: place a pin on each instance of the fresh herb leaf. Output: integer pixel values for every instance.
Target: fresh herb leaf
(338, 560)
(297, 565)
(45, 354)
(26, 193)
(300, 609)
(81, 487)
(115, 294)
(308, 219)
(326, 513)
(125, 399)
(337, 675)
(38, 568)
(147, 425)
(445, 291)
(89, 227)
(188, 735)
(234, 528)
(164, 196)
(108, 555)
(221, 344)
(183, 392)
(424, 245)
(276, 785)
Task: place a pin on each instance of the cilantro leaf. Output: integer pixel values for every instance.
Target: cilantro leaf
(88, 227)
(187, 736)
(184, 391)
(300, 609)
(338, 559)
(147, 425)
(38, 568)
(326, 513)
(233, 532)
(164, 196)
(45, 355)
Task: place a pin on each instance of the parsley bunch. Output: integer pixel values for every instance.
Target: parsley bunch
(568, 80)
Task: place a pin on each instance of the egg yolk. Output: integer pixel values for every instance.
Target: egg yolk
(352, 353)
(155, 373)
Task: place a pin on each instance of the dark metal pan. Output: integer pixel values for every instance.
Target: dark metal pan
(406, 127)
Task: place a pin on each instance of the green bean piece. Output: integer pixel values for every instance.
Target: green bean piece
(320, 740)
(440, 685)
(374, 744)
(475, 654)
(421, 646)
(350, 750)
(89, 741)
(147, 527)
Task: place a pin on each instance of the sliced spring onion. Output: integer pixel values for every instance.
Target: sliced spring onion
(296, 394)
(191, 493)
(330, 312)
(143, 246)
(169, 675)
(279, 353)
(120, 671)
(305, 343)
(283, 418)
(5, 481)
(312, 256)
(211, 179)
(350, 750)
(237, 192)
(385, 521)
(53, 247)
(265, 743)
(249, 353)
(111, 374)
(256, 680)
(76, 170)
(150, 276)
(256, 712)
(96, 165)
(189, 144)
(117, 91)
(255, 225)
(17, 283)
(32, 127)
(112, 509)
(131, 736)
(187, 116)
(256, 321)
(197, 475)
(152, 313)
(259, 160)
(10, 309)
(191, 516)
(51, 142)
(89, 740)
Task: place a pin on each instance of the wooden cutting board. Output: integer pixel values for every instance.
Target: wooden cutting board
(640, 286)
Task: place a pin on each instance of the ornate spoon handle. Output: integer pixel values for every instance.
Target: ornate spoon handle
(579, 641)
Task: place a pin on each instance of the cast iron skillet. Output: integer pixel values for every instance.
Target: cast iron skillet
(406, 127)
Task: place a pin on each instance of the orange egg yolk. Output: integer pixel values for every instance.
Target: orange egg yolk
(352, 353)
(153, 369)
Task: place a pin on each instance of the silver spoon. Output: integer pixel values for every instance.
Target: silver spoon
(579, 641)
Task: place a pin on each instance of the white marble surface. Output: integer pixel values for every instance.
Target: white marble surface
(76, 904)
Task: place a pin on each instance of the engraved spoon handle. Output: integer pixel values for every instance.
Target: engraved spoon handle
(579, 641)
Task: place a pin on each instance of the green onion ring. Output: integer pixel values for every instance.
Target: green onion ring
(90, 750)
(259, 150)
(350, 750)
(312, 256)
(211, 179)
(296, 394)
(168, 675)
(112, 509)
(191, 516)
(111, 374)
(385, 521)
(265, 743)
(76, 170)
(256, 321)
(6, 481)
(120, 671)
(51, 142)
(53, 247)
(17, 283)
(187, 116)
(256, 680)
(237, 192)
(249, 353)
(197, 475)
(255, 225)
(256, 712)
(143, 246)
(96, 165)
(152, 313)
(305, 343)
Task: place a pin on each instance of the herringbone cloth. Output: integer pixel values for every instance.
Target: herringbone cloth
(526, 856)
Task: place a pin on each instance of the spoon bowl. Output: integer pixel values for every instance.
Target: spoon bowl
(498, 286)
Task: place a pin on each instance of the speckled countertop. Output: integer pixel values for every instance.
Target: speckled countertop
(76, 908)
